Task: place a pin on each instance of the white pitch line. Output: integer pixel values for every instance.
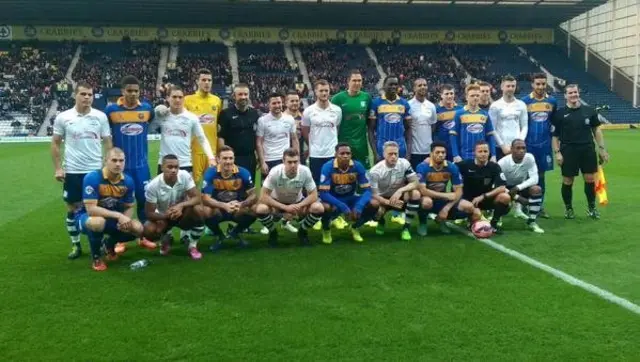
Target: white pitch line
(567, 278)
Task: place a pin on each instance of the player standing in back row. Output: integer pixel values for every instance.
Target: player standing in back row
(355, 105)
(130, 119)
(509, 117)
(446, 110)
(85, 131)
(207, 107)
(541, 107)
(389, 120)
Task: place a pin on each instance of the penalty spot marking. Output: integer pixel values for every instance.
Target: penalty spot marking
(567, 278)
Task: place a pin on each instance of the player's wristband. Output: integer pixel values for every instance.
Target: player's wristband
(601, 147)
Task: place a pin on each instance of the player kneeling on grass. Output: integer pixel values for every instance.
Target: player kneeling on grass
(436, 173)
(228, 195)
(108, 207)
(484, 184)
(394, 188)
(339, 181)
(173, 200)
(521, 174)
(281, 194)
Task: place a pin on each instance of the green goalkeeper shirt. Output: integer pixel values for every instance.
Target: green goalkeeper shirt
(353, 128)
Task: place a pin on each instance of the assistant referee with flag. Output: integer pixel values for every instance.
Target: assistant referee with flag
(575, 127)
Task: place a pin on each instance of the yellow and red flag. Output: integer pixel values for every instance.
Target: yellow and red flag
(601, 187)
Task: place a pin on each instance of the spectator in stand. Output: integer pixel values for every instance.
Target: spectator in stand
(30, 72)
(104, 69)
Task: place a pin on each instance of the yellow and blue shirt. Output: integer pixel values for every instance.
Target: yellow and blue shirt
(390, 117)
(438, 178)
(540, 111)
(338, 185)
(111, 194)
(235, 187)
(129, 129)
(469, 128)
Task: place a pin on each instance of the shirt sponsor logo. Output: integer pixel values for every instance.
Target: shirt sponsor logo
(539, 116)
(131, 129)
(207, 118)
(392, 117)
(87, 135)
(449, 124)
(475, 128)
(175, 133)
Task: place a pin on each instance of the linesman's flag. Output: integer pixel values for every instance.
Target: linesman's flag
(601, 187)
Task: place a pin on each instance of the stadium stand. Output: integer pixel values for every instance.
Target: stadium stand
(409, 62)
(266, 69)
(194, 56)
(594, 92)
(491, 62)
(333, 62)
(104, 64)
(31, 77)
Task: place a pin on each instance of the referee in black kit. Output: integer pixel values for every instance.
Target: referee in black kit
(238, 125)
(575, 127)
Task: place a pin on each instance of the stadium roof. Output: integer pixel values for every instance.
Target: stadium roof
(468, 14)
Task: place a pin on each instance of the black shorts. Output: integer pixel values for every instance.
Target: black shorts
(578, 159)
(415, 160)
(524, 193)
(315, 164)
(270, 164)
(72, 187)
(487, 204)
(248, 162)
(189, 169)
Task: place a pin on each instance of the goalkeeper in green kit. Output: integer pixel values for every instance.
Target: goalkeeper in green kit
(355, 105)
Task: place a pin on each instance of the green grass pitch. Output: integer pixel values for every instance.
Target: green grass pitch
(434, 298)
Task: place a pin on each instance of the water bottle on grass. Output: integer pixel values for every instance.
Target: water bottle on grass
(140, 264)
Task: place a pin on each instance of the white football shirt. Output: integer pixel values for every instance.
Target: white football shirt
(423, 117)
(177, 130)
(165, 196)
(510, 120)
(323, 126)
(385, 180)
(82, 135)
(277, 133)
(523, 174)
(289, 190)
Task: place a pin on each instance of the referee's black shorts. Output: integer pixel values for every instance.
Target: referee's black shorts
(578, 159)
(487, 204)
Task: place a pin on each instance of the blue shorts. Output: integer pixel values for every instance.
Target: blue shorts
(402, 150)
(350, 201)
(72, 187)
(141, 177)
(543, 156)
(454, 213)
(110, 228)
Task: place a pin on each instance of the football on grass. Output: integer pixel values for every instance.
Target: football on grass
(481, 229)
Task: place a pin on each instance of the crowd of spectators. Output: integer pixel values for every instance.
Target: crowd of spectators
(185, 71)
(266, 70)
(333, 62)
(434, 63)
(30, 75)
(103, 65)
